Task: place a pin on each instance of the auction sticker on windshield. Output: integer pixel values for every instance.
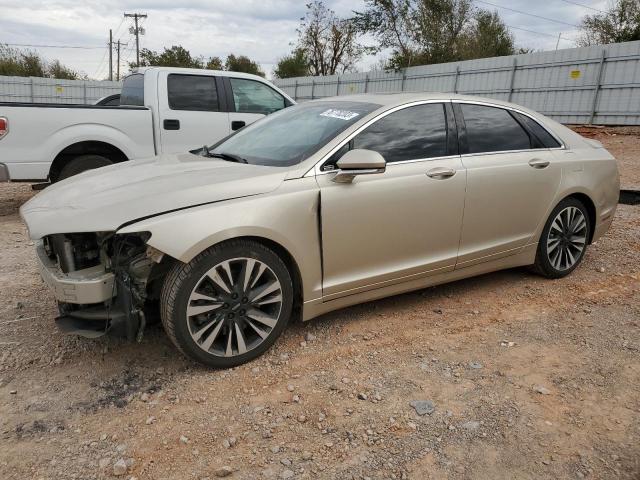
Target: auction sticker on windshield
(340, 114)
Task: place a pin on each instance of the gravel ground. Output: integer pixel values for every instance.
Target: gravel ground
(506, 375)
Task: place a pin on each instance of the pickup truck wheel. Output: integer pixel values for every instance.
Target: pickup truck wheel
(229, 304)
(81, 164)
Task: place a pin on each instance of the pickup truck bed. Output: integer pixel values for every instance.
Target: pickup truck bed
(36, 130)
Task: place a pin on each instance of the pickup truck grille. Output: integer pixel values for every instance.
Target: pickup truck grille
(73, 251)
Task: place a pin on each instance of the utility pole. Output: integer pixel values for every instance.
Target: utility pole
(118, 45)
(110, 54)
(137, 31)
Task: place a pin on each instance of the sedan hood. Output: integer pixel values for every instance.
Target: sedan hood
(106, 198)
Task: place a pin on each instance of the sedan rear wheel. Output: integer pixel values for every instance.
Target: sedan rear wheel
(229, 304)
(564, 239)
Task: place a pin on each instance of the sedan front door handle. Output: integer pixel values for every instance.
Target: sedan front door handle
(441, 173)
(539, 163)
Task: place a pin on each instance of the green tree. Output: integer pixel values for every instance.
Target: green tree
(27, 63)
(176, 56)
(293, 65)
(488, 36)
(620, 23)
(422, 32)
(242, 63)
(215, 63)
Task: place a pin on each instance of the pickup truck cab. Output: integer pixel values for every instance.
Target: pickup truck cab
(162, 110)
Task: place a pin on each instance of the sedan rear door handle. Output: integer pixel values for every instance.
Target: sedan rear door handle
(441, 173)
(539, 163)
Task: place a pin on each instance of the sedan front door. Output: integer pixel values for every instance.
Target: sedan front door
(404, 223)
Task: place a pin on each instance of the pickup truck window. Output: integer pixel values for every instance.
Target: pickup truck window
(250, 96)
(192, 92)
(133, 90)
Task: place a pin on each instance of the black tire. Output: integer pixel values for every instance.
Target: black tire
(81, 164)
(181, 281)
(543, 264)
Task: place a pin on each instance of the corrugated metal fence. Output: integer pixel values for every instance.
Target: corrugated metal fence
(51, 90)
(599, 84)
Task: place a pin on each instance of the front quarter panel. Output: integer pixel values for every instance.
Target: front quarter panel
(287, 216)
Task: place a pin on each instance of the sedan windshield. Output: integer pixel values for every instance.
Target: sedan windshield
(291, 135)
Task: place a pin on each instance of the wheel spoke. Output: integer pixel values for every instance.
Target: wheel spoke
(259, 331)
(227, 268)
(197, 335)
(228, 352)
(217, 279)
(258, 316)
(264, 290)
(206, 345)
(247, 271)
(202, 296)
(198, 309)
(266, 301)
(242, 347)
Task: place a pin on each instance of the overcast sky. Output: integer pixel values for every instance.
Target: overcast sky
(261, 29)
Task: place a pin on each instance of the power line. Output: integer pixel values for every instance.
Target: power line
(541, 33)
(50, 46)
(583, 6)
(529, 14)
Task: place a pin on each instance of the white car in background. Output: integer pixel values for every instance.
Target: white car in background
(162, 111)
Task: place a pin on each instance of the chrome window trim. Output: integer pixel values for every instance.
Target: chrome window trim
(315, 170)
(521, 112)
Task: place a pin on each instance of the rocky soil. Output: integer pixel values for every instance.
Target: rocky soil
(503, 376)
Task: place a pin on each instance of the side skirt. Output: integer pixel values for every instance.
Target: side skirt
(315, 308)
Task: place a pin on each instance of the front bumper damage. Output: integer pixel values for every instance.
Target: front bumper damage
(100, 290)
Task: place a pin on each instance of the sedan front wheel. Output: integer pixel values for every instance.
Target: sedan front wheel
(229, 304)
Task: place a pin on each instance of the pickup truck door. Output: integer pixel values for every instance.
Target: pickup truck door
(192, 111)
(250, 100)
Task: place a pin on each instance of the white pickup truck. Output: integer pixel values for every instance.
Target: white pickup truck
(162, 110)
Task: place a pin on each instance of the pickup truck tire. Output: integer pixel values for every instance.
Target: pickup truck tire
(229, 304)
(81, 164)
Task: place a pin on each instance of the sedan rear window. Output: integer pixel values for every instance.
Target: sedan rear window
(492, 129)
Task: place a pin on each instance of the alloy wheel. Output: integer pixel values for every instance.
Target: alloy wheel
(234, 307)
(567, 238)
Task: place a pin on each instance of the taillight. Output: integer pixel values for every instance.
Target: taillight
(4, 126)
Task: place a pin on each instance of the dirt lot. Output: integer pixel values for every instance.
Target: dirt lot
(529, 378)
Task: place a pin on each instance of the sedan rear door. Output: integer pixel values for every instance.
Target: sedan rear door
(404, 223)
(512, 177)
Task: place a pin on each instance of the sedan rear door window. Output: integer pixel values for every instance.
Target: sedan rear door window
(493, 129)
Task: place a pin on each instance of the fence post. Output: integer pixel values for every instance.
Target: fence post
(596, 90)
(31, 90)
(404, 77)
(295, 91)
(366, 82)
(455, 80)
(338, 86)
(84, 92)
(513, 77)
(313, 86)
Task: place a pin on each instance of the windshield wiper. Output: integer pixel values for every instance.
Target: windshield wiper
(228, 157)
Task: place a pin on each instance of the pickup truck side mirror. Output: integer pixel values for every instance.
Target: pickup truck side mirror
(359, 162)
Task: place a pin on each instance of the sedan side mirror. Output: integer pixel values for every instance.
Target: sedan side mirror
(359, 162)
